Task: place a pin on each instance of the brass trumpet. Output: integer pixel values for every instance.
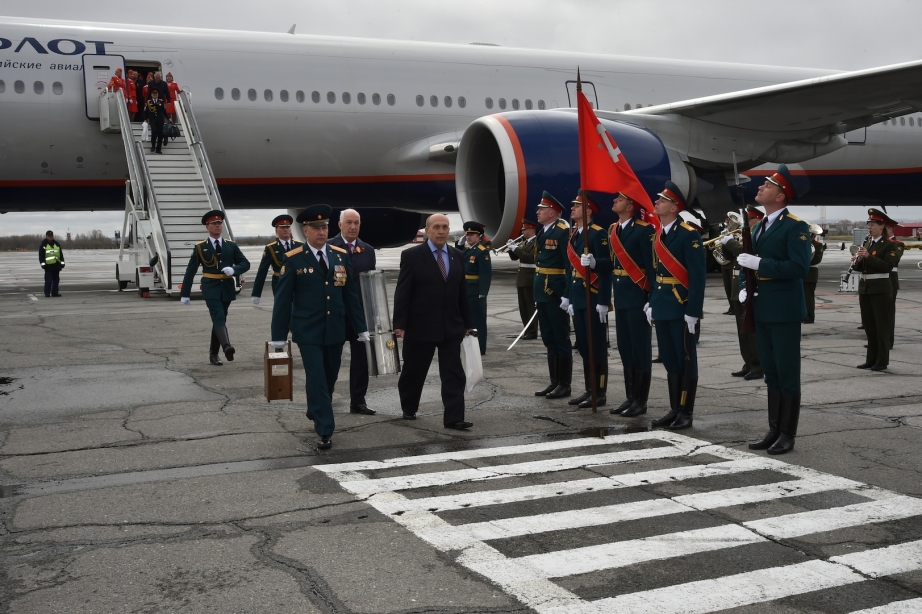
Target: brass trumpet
(718, 248)
(511, 245)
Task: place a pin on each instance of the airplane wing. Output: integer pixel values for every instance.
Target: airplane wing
(839, 102)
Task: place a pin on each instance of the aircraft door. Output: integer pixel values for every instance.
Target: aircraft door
(588, 90)
(97, 70)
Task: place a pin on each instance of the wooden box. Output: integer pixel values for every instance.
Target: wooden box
(277, 373)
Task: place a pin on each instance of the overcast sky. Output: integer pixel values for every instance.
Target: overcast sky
(840, 34)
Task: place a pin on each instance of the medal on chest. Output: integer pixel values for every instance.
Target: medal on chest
(339, 275)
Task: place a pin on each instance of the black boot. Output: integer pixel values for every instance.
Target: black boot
(223, 338)
(552, 370)
(628, 391)
(686, 409)
(774, 411)
(790, 415)
(674, 382)
(578, 400)
(641, 394)
(213, 350)
(565, 377)
(601, 378)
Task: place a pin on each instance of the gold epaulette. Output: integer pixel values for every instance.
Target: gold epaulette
(294, 252)
(642, 222)
(794, 217)
(483, 248)
(271, 244)
(687, 226)
(338, 249)
(562, 224)
(595, 227)
(200, 242)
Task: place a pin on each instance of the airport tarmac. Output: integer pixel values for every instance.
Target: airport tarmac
(136, 477)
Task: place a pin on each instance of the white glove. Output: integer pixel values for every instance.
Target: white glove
(565, 304)
(511, 245)
(725, 240)
(278, 344)
(587, 260)
(481, 296)
(692, 322)
(743, 295)
(228, 270)
(749, 261)
(185, 300)
(570, 310)
(602, 310)
(649, 311)
(256, 300)
(364, 336)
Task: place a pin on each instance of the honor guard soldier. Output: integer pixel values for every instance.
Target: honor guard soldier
(894, 276)
(732, 248)
(526, 253)
(781, 246)
(221, 260)
(478, 271)
(677, 280)
(316, 294)
(550, 290)
(875, 260)
(813, 275)
(599, 262)
(631, 240)
(274, 255)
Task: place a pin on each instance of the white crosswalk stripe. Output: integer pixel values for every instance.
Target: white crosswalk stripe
(414, 500)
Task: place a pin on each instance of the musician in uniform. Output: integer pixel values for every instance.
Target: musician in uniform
(526, 253)
(316, 295)
(732, 248)
(478, 271)
(875, 260)
(894, 276)
(274, 255)
(631, 241)
(677, 279)
(781, 246)
(726, 272)
(598, 261)
(814, 275)
(221, 261)
(550, 290)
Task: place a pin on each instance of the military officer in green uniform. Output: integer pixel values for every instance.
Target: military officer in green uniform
(526, 252)
(894, 277)
(316, 294)
(221, 260)
(781, 246)
(274, 255)
(752, 368)
(598, 262)
(677, 280)
(813, 276)
(550, 290)
(478, 271)
(875, 260)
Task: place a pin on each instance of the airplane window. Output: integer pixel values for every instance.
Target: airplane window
(2, 86)
(462, 102)
(515, 104)
(541, 105)
(38, 87)
(434, 101)
(528, 104)
(420, 101)
(391, 100)
(892, 121)
(489, 103)
(360, 97)
(331, 97)
(251, 94)
(218, 93)
(639, 106)
(315, 96)
(299, 96)
(347, 98)
(627, 106)
(268, 95)
(376, 98)
(56, 87)
(20, 87)
(902, 119)
(448, 101)
(502, 103)
(235, 94)
(911, 123)
(283, 95)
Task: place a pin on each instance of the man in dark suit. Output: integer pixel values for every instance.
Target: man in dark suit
(431, 312)
(155, 114)
(221, 260)
(363, 259)
(274, 256)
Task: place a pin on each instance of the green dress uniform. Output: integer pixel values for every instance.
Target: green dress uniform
(526, 254)
(752, 368)
(272, 258)
(811, 279)
(875, 294)
(478, 271)
(895, 285)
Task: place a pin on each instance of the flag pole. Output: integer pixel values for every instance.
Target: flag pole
(593, 388)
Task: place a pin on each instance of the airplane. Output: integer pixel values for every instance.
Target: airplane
(400, 129)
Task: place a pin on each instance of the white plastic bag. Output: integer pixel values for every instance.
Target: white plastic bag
(470, 357)
(145, 133)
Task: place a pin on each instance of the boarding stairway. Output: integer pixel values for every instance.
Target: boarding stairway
(166, 196)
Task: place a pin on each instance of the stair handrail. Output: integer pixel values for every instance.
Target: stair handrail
(134, 171)
(161, 242)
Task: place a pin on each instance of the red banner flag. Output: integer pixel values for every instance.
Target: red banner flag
(602, 165)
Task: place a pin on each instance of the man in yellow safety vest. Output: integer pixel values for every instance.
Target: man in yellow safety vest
(51, 257)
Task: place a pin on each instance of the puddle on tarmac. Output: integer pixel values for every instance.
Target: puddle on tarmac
(605, 431)
(8, 381)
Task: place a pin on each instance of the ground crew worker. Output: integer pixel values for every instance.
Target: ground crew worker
(550, 289)
(316, 294)
(526, 253)
(221, 261)
(274, 255)
(478, 271)
(676, 305)
(875, 260)
(598, 260)
(894, 277)
(51, 259)
(631, 241)
(781, 245)
(752, 368)
(813, 275)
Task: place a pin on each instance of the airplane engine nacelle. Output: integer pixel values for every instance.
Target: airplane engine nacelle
(505, 161)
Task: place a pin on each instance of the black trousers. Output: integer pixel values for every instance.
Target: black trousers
(417, 356)
(358, 371)
(778, 344)
(875, 317)
(156, 135)
(600, 352)
(810, 299)
(52, 279)
(527, 308)
(555, 329)
(635, 339)
(675, 348)
(748, 349)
